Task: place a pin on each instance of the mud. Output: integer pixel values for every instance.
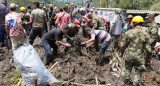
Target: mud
(76, 67)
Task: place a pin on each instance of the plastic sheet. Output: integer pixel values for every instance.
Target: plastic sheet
(30, 65)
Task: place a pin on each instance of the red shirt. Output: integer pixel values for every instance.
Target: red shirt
(12, 19)
(63, 20)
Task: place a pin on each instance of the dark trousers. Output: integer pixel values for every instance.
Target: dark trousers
(47, 47)
(34, 33)
(2, 34)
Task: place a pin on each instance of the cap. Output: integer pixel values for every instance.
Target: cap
(13, 5)
(77, 23)
(129, 17)
(150, 16)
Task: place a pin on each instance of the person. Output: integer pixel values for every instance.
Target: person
(130, 24)
(58, 13)
(3, 13)
(116, 28)
(152, 30)
(14, 28)
(98, 24)
(101, 36)
(51, 39)
(134, 46)
(64, 18)
(38, 19)
(25, 17)
(89, 5)
(52, 14)
(71, 8)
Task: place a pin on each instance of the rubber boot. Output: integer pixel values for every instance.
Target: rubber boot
(101, 59)
(47, 61)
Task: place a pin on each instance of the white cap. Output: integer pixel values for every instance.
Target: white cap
(13, 5)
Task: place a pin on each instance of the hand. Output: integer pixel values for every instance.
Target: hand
(26, 23)
(68, 45)
(83, 44)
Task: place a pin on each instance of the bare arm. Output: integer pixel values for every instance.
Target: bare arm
(92, 39)
(7, 30)
(64, 44)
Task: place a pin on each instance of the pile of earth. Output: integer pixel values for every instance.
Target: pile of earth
(80, 69)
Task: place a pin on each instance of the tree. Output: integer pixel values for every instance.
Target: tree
(155, 7)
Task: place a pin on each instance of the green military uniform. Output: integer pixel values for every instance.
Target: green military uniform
(153, 32)
(135, 44)
(25, 17)
(98, 23)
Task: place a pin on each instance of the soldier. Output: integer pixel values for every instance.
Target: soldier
(153, 30)
(135, 44)
(25, 17)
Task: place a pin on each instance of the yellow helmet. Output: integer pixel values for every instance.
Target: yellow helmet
(22, 9)
(67, 5)
(138, 19)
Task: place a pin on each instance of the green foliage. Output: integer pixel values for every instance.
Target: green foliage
(155, 7)
(15, 76)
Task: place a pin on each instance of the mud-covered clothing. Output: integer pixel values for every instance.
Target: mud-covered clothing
(135, 44)
(100, 35)
(49, 40)
(153, 32)
(38, 16)
(98, 23)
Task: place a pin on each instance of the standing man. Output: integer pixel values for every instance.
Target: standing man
(51, 39)
(3, 13)
(38, 19)
(14, 28)
(52, 14)
(135, 45)
(130, 24)
(25, 17)
(98, 23)
(152, 30)
(101, 36)
(64, 18)
(116, 28)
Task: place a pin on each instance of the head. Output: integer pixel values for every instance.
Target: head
(129, 18)
(65, 9)
(77, 23)
(72, 4)
(61, 9)
(2, 1)
(36, 5)
(51, 6)
(65, 29)
(13, 7)
(88, 30)
(90, 15)
(150, 18)
(91, 10)
(138, 21)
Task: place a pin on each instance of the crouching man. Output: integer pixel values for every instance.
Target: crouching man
(101, 36)
(51, 39)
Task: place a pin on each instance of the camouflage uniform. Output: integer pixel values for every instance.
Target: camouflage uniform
(153, 32)
(25, 18)
(135, 44)
(98, 24)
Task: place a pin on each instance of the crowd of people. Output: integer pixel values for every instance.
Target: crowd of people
(135, 43)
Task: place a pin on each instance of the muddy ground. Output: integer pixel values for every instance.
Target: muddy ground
(76, 68)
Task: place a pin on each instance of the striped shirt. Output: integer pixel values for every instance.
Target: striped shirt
(100, 35)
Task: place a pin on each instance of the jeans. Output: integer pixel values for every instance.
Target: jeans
(34, 33)
(2, 34)
(47, 47)
(104, 46)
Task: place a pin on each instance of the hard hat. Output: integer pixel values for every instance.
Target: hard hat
(22, 9)
(138, 19)
(67, 5)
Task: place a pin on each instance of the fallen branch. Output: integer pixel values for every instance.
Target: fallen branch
(19, 82)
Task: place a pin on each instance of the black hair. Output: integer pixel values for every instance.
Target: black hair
(87, 29)
(13, 9)
(65, 27)
(65, 8)
(61, 9)
(37, 4)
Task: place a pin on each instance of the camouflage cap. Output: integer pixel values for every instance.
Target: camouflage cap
(150, 16)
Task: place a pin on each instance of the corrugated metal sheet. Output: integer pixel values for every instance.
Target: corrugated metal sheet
(142, 12)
